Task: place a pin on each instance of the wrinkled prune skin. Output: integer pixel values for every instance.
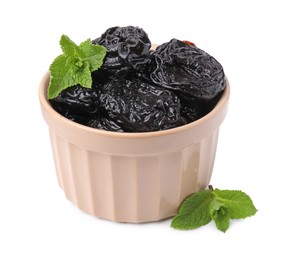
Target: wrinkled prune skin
(104, 123)
(77, 103)
(193, 109)
(140, 107)
(187, 69)
(127, 49)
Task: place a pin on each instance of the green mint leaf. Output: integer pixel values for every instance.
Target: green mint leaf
(69, 48)
(65, 73)
(217, 205)
(74, 66)
(95, 54)
(82, 75)
(238, 203)
(61, 75)
(194, 211)
(220, 215)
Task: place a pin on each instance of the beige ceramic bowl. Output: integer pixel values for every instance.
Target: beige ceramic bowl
(132, 177)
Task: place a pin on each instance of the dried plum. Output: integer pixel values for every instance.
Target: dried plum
(193, 109)
(127, 49)
(77, 103)
(140, 107)
(185, 68)
(104, 123)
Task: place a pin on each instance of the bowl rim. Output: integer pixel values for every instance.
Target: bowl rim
(136, 135)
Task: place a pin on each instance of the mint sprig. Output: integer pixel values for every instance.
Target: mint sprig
(75, 65)
(218, 205)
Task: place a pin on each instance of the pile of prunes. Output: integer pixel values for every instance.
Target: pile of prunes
(138, 89)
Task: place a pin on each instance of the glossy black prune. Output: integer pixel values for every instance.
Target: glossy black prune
(127, 49)
(77, 103)
(140, 107)
(187, 69)
(104, 123)
(193, 109)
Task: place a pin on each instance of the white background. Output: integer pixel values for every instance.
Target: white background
(251, 39)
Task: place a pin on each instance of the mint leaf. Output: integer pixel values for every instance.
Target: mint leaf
(69, 48)
(82, 75)
(94, 54)
(74, 66)
(61, 75)
(220, 215)
(217, 205)
(239, 203)
(194, 211)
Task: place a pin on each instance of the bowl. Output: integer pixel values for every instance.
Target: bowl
(132, 177)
